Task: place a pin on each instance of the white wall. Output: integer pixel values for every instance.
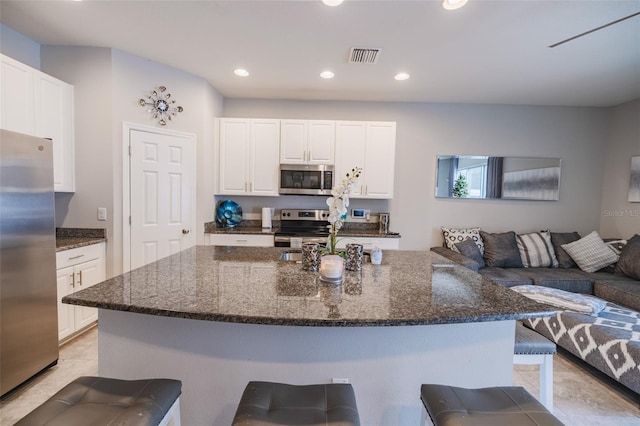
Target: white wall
(618, 217)
(576, 135)
(19, 47)
(108, 84)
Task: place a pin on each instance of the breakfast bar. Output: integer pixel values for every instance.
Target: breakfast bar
(218, 317)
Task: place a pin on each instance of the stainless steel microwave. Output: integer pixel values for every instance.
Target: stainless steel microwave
(312, 179)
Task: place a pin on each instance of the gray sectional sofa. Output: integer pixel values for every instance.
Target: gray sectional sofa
(608, 340)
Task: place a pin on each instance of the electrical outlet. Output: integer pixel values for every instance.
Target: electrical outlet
(339, 380)
(102, 213)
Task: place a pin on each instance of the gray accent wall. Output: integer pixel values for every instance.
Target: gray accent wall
(619, 217)
(576, 135)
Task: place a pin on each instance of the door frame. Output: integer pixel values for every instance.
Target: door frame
(127, 127)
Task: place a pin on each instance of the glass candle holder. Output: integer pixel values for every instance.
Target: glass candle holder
(331, 268)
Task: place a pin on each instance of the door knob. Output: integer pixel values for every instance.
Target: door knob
(185, 231)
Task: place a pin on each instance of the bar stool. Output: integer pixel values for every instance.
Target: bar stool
(101, 401)
(494, 406)
(533, 348)
(266, 403)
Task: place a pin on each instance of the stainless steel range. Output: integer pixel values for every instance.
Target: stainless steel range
(302, 226)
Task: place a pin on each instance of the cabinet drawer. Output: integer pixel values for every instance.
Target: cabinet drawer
(370, 242)
(78, 255)
(241, 240)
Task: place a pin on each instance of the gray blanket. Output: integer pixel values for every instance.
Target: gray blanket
(609, 341)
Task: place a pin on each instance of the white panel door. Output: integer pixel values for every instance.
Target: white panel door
(162, 180)
(234, 155)
(65, 279)
(87, 274)
(293, 145)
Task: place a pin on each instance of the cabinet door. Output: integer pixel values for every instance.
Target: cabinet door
(293, 144)
(380, 159)
(66, 324)
(350, 152)
(87, 274)
(265, 146)
(321, 142)
(234, 156)
(17, 99)
(54, 120)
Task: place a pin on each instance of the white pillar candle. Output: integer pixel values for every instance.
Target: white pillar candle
(331, 267)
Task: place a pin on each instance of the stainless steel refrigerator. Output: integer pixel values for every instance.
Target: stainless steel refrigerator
(28, 302)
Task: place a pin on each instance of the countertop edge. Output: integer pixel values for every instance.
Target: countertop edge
(68, 243)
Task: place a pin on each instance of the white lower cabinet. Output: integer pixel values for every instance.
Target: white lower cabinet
(370, 242)
(249, 240)
(78, 269)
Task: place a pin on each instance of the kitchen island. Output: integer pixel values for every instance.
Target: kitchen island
(218, 317)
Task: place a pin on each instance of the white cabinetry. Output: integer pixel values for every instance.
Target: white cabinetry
(249, 156)
(249, 240)
(78, 269)
(307, 142)
(37, 104)
(369, 242)
(370, 145)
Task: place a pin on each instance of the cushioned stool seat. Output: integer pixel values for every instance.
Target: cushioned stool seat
(266, 403)
(533, 348)
(496, 406)
(101, 401)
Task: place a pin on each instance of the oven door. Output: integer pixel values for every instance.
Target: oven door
(296, 242)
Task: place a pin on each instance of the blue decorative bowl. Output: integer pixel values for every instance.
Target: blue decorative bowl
(228, 214)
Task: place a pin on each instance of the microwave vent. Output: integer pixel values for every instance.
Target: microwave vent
(362, 55)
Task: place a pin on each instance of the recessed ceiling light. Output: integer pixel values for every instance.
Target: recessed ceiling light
(453, 4)
(240, 72)
(326, 74)
(332, 2)
(402, 76)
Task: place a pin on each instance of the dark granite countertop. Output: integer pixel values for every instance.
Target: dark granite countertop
(251, 285)
(70, 238)
(253, 227)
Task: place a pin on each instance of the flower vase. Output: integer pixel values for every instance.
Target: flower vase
(331, 268)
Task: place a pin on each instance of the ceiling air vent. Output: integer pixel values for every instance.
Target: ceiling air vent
(361, 55)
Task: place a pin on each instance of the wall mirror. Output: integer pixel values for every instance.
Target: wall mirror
(513, 178)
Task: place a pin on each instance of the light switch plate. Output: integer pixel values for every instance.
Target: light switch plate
(102, 213)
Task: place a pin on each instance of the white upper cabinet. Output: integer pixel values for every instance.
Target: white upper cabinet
(249, 156)
(370, 145)
(37, 104)
(307, 142)
(54, 120)
(18, 112)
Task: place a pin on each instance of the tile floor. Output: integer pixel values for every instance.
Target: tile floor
(580, 397)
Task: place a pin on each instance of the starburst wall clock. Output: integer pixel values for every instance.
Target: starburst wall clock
(161, 105)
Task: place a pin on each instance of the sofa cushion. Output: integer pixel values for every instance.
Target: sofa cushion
(470, 249)
(562, 299)
(629, 262)
(458, 235)
(504, 277)
(573, 280)
(591, 253)
(559, 238)
(536, 250)
(625, 293)
(501, 250)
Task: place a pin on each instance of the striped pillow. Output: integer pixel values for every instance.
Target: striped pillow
(591, 253)
(536, 250)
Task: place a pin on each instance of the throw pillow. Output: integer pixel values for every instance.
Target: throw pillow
(582, 303)
(591, 253)
(501, 250)
(470, 249)
(455, 235)
(629, 263)
(536, 250)
(557, 239)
